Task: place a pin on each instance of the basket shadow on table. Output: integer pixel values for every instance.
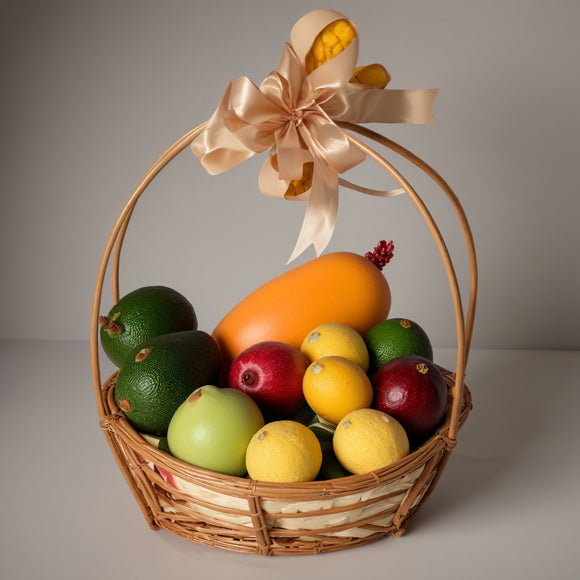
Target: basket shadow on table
(503, 425)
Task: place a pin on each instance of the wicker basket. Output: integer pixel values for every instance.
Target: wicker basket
(242, 515)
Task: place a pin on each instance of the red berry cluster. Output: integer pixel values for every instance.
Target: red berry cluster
(382, 254)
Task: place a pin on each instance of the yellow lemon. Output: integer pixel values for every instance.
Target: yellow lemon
(367, 439)
(284, 452)
(334, 386)
(335, 339)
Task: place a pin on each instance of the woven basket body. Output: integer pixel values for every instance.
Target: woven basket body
(243, 515)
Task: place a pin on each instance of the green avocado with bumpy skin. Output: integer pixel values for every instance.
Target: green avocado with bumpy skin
(157, 376)
(143, 314)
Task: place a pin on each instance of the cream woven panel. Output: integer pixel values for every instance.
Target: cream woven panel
(330, 512)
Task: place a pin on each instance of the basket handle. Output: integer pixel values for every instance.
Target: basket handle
(114, 243)
(464, 325)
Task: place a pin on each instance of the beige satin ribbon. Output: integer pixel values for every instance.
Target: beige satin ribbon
(293, 115)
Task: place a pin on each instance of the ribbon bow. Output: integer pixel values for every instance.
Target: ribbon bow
(293, 114)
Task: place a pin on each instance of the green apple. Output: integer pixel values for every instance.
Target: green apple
(212, 428)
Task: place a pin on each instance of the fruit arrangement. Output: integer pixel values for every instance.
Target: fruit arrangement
(307, 378)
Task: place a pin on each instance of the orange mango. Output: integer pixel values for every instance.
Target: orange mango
(338, 287)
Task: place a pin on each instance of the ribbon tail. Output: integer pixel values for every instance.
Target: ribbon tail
(321, 211)
(269, 181)
(369, 191)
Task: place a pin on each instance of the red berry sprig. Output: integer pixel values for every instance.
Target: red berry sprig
(382, 254)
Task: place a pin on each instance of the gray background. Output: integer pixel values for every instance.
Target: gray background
(92, 92)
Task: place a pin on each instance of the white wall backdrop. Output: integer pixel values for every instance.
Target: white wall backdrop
(92, 92)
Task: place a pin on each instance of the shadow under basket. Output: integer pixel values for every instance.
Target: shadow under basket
(243, 515)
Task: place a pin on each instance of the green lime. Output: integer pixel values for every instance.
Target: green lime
(396, 337)
(323, 429)
(143, 314)
(304, 415)
(331, 467)
(157, 376)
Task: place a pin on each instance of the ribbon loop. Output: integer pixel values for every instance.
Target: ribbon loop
(293, 113)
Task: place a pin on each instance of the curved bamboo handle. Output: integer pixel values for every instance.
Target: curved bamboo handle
(444, 186)
(115, 241)
(464, 326)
